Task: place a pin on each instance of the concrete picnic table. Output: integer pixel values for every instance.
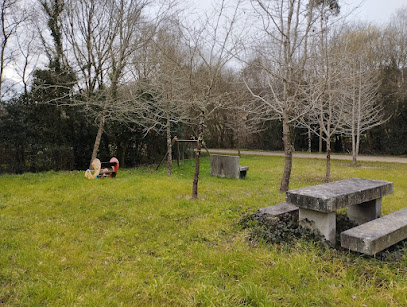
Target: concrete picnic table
(318, 204)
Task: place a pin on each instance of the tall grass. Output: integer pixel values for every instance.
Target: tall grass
(140, 240)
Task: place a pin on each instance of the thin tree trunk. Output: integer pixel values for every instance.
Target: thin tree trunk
(328, 160)
(320, 138)
(353, 133)
(354, 119)
(169, 146)
(285, 181)
(238, 143)
(3, 47)
(123, 155)
(354, 158)
(309, 140)
(178, 154)
(358, 114)
(196, 173)
(197, 160)
(99, 135)
(357, 146)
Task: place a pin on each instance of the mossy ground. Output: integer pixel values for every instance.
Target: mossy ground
(139, 240)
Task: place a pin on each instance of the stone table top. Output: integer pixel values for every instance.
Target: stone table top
(332, 196)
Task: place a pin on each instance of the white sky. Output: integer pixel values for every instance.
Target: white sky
(376, 11)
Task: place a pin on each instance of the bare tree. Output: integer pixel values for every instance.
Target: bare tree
(244, 115)
(348, 101)
(366, 111)
(361, 84)
(29, 56)
(126, 19)
(12, 15)
(395, 41)
(324, 77)
(162, 86)
(104, 36)
(283, 53)
(211, 44)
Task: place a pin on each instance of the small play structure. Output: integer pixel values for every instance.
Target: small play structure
(186, 152)
(110, 169)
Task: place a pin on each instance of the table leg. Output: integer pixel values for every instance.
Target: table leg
(324, 222)
(365, 212)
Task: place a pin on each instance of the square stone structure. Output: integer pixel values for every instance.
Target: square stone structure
(319, 203)
(225, 166)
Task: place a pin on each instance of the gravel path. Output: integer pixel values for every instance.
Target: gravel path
(313, 155)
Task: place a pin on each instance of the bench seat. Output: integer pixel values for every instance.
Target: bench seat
(279, 210)
(376, 235)
(243, 171)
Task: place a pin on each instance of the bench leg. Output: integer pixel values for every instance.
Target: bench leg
(324, 222)
(365, 212)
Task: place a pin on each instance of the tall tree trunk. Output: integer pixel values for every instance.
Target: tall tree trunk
(328, 160)
(353, 135)
(320, 138)
(309, 140)
(285, 181)
(197, 160)
(358, 114)
(123, 155)
(238, 142)
(169, 146)
(354, 157)
(357, 146)
(99, 134)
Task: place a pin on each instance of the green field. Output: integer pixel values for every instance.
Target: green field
(139, 240)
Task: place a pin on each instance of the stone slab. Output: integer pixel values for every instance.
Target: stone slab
(377, 235)
(280, 209)
(332, 196)
(225, 166)
(325, 223)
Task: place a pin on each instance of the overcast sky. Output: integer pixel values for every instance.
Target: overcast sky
(377, 11)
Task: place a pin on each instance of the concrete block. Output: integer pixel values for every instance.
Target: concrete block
(325, 223)
(332, 196)
(365, 212)
(377, 235)
(280, 209)
(225, 166)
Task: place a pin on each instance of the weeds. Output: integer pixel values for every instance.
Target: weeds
(277, 230)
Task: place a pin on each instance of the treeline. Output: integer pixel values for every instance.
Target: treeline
(123, 77)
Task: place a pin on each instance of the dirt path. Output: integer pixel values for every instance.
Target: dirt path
(313, 155)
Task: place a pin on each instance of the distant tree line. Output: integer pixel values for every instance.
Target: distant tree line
(98, 78)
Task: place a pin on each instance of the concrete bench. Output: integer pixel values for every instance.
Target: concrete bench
(280, 209)
(377, 235)
(227, 166)
(318, 204)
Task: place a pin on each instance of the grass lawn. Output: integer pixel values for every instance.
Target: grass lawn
(138, 240)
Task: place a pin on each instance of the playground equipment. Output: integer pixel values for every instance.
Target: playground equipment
(181, 156)
(97, 169)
